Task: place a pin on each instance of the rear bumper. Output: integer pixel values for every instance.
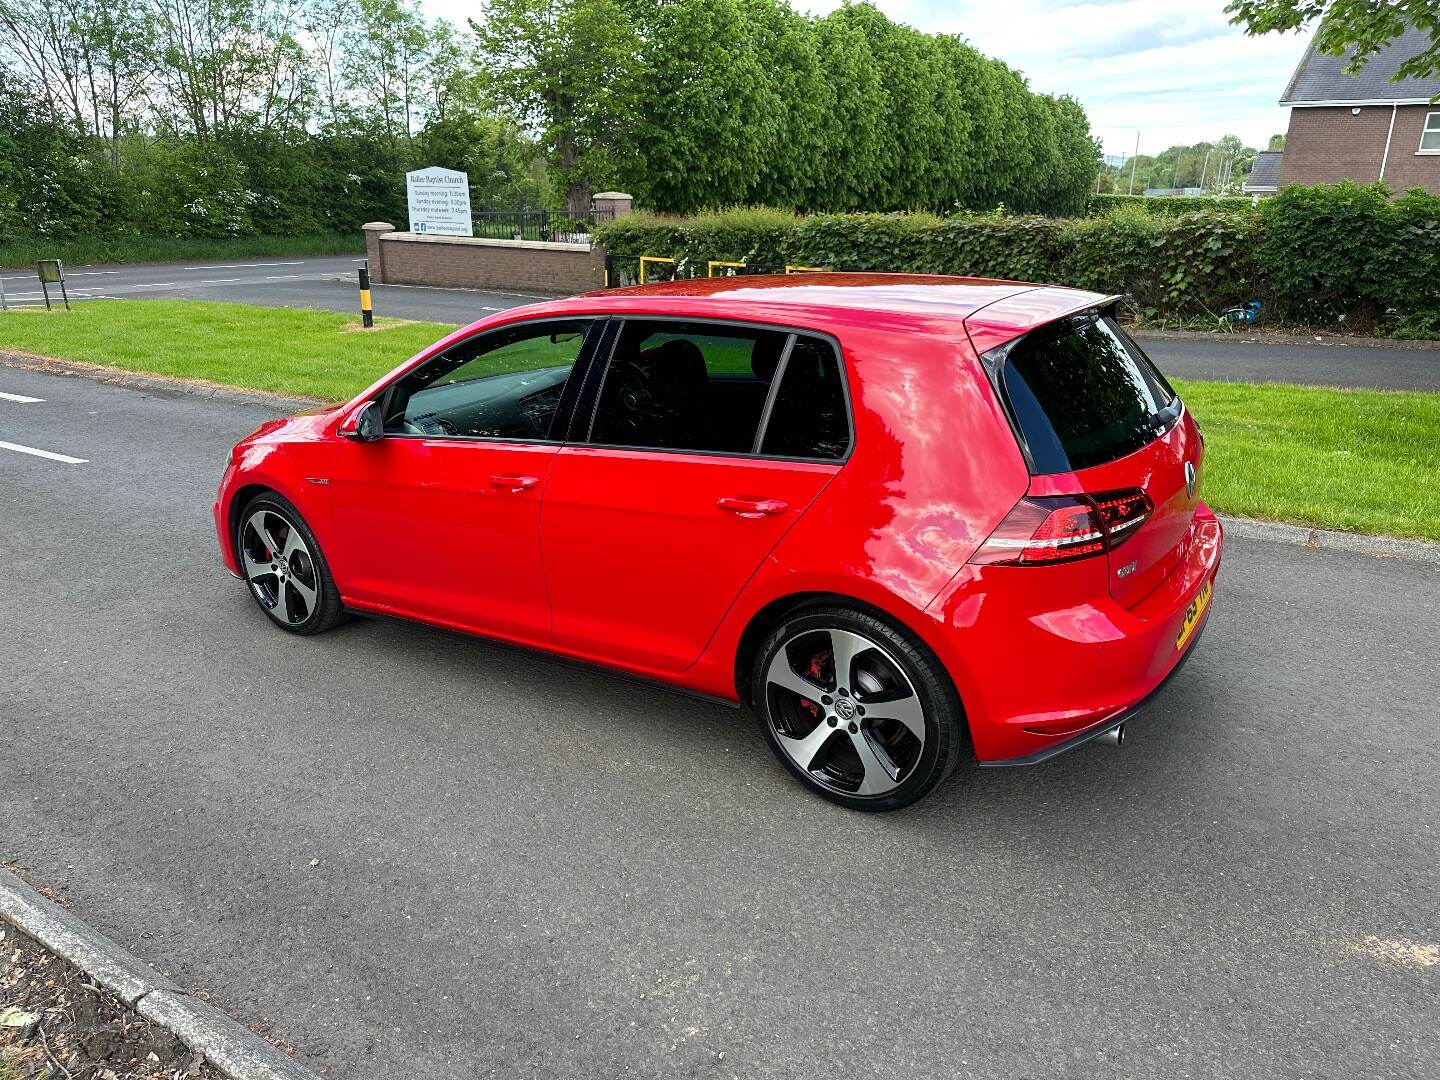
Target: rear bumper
(1043, 665)
(1124, 717)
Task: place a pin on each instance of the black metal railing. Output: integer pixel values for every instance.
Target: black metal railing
(549, 226)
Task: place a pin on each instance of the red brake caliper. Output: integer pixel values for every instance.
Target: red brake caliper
(813, 670)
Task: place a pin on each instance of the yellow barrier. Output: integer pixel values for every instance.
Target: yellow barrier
(649, 259)
(710, 266)
(789, 269)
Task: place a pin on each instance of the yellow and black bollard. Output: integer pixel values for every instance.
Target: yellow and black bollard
(367, 315)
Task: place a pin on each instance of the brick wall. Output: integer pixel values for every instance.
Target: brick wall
(464, 262)
(1328, 144)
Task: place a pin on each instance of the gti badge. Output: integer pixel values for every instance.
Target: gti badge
(1190, 479)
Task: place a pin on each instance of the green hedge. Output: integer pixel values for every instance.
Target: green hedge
(1167, 205)
(1343, 256)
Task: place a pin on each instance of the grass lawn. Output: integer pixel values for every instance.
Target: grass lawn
(24, 251)
(1363, 460)
(314, 354)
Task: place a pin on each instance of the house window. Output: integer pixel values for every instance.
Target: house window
(1430, 137)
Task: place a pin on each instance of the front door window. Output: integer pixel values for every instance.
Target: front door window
(503, 385)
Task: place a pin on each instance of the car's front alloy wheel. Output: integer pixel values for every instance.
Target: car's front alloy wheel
(283, 566)
(855, 709)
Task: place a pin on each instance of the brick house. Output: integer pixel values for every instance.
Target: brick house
(1362, 127)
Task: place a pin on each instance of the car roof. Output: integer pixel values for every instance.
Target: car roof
(1006, 308)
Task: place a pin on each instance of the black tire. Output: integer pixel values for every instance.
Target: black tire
(894, 752)
(284, 587)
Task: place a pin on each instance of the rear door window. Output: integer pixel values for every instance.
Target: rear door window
(808, 418)
(686, 386)
(1081, 393)
(711, 388)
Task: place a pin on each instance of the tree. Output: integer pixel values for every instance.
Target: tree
(848, 174)
(386, 66)
(568, 70)
(800, 106)
(229, 65)
(91, 58)
(707, 113)
(221, 117)
(1362, 26)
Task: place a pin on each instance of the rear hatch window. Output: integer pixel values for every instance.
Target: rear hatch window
(1081, 394)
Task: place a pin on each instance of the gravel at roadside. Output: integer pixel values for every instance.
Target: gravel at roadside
(56, 1022)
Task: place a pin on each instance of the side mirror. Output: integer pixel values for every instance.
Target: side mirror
(367, 425)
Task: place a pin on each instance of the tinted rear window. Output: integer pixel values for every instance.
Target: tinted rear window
(1082, 393)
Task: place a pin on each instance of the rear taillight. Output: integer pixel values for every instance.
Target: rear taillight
(1047, 529)
(1122, 512)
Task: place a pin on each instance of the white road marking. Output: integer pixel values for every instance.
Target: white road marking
(156, 285)
(55, 298)
(239, 266)
(1399, 951)
(220, 281)
(282, 277)
(66, 458)
(68, 275)
(21, 398)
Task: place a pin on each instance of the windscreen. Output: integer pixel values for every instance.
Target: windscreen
(1082, 393)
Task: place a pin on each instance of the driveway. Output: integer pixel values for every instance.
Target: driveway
(329, 284)
(418, 854)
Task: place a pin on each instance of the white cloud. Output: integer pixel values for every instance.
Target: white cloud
(1177, 71)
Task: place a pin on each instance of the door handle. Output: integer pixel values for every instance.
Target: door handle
(514, 483)
(752, 508)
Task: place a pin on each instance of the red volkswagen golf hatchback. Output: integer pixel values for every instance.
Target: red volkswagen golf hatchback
(897, 515)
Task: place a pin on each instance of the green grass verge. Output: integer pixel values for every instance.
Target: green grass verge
(1363, 460)
(314, 354)
(21, 252)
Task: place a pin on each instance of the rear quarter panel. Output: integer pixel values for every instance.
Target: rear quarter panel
(934, 469)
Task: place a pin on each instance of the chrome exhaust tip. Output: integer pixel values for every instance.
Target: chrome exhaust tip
(1114, 737)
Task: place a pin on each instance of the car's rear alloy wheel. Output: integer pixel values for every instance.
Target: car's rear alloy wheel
(856, 710)
(283, 566)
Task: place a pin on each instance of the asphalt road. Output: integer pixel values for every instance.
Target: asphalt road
(418, 854)
(326, 284)
(329, 284)
(1252, 360)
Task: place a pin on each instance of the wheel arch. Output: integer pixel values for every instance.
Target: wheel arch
(765, 619)
(260, 485)
(239, 498)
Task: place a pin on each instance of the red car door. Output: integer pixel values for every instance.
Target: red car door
(441, 517)
(444, 530)
(650, 531)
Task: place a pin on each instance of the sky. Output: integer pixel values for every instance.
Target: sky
(1177, 72)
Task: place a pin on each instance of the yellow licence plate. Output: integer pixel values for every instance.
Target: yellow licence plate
(1194, 612)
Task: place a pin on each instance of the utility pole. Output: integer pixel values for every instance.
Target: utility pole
(1205, 168)
(1134, 161)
